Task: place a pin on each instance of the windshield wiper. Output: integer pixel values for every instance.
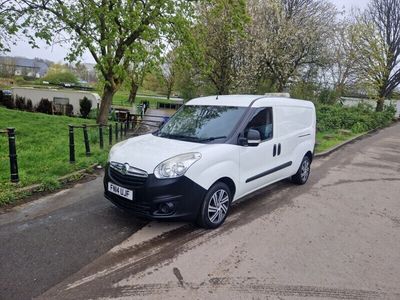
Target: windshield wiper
(178, 136)
(212, 138)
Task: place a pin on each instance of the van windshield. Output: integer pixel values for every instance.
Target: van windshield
(202, 123)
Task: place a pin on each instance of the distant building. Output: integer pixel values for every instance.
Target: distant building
(21, 66)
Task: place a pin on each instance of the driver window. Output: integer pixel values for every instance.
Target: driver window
(262, 122)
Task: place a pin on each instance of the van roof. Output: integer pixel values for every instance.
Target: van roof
(247, 100)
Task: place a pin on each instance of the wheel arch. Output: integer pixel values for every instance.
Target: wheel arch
(309, 155)
(230, 183)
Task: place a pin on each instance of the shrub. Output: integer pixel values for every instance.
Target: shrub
(328, 96)
(20, 103)
(69, 110)
(45, 106)
(29, 106)
(8, 101)
(85, 107)
(357, 119)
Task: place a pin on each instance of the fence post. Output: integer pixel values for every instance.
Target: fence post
(121, 130)
(101, 141)
(116, 132)
(110, 134)
(13, 155)
(86, 140)
(71, 144)
(126, 128)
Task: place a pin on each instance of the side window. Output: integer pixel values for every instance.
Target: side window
(262, 122)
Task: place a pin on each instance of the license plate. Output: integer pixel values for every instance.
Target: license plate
(120, 191)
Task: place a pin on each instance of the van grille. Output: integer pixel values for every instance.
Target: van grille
(129, 181)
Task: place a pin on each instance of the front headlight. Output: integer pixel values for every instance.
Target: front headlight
(176, 166)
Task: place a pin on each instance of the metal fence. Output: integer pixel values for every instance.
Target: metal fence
(12, 153)
(132, 125)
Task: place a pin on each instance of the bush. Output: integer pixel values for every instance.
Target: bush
(29, 106)
(85, 107)
(45, 106)
(70, 110)
(328, 96)
(8, 101)
(358, 119)
(20, 103)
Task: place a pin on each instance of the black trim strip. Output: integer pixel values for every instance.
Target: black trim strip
(273, 170)
(304, 135)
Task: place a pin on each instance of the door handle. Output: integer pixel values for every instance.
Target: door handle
(279, 149)
(274, 151)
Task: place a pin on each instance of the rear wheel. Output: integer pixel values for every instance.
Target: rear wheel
(303, 172)
(215, 207)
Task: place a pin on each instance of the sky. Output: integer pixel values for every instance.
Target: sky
(57, 53)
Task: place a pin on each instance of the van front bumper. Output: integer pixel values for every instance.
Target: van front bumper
(177, 198)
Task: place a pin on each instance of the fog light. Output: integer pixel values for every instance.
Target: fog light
(166, 208)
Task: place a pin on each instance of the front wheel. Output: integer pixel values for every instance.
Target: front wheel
(303, 172)
(215, 207)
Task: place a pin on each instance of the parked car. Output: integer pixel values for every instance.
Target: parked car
(212, 152)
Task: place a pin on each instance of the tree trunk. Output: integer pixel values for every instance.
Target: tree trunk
(106, 101)
(380, 104)
(133, 92)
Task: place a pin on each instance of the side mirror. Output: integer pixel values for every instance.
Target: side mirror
(253, 138)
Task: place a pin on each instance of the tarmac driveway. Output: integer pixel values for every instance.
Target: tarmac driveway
(336, 237)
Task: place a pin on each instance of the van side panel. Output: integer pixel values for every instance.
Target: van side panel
(295, 129)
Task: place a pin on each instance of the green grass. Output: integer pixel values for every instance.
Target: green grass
(42, 149)
(121, 99)
(327, 140)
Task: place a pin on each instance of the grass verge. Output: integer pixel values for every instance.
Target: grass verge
(329, 139)
(42, 149)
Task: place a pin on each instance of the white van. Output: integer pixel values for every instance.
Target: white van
(212, 152)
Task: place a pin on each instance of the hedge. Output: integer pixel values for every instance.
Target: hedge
(358, 119)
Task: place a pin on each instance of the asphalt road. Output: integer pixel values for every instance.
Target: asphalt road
(45, 241)
(337, 237)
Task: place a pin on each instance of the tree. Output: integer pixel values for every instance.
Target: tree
(343, 56)
(289, 35)
(58, 74)
(139, 67)
(8, 25)
(378, 40)
(112, 31)
(219, 27)
(168, 71)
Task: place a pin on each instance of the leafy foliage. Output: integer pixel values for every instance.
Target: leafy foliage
(114, 32)
(45, 106)
(85, 107)
(29, 106)
(58, 74)
(378, 42)
(357, 119)
(7, 101)
(20, 103)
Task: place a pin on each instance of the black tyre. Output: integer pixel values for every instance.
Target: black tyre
(303, 172)
(215, 206)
